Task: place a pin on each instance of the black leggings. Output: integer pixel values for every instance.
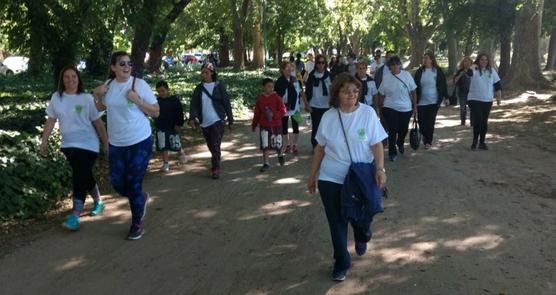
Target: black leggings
(81, 162)
(479, 116)
(427, 119)
(397, 124)
(295, 125)
(316, 115)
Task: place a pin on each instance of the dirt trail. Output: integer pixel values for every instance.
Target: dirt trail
(456, 222)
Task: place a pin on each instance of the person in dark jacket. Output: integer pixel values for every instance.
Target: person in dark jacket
(210, 107)
(339, 67)
(462, 80)
(431, 91)
(317, 94)
(168, 124)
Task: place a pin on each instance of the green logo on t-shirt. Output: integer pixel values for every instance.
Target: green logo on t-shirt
(361, 134)
(129, 103)
(78, 109)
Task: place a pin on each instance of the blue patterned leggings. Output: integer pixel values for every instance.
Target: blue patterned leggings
(128, 165)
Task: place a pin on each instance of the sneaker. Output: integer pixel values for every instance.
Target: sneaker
(147, 197)
(473, 146)
(165, 167)
(483, 146)
(183, 159)
(98, 207)
(339, 275)
(392, 158)
(281, 160)
(360, 248)
(401, 149)
(215, 173)
(136, 232)
(72, 222)
(288, 149)
(428, 146)
(295, 150)
(264, 168)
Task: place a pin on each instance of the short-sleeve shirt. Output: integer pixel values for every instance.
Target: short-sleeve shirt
(429, 93)
(74, 113)
(363, 130)
(396, 93)
(482, 85)
(127, 124)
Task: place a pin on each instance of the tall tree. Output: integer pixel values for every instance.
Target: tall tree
(525, 70)
(239, 18)
(549, 27)
(142, 21)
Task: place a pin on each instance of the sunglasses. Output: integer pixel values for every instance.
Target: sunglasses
(123, 63)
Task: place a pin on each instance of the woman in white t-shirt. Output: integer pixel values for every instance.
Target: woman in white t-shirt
(128, 101)
(332, 159)
(397, 93)
(289, 88)
(368, 88)
(484, 83)
(316, 91)
(75, 110)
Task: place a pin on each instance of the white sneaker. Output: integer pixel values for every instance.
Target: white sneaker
(183, 159)
(165, 167)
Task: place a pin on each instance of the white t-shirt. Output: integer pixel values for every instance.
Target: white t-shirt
(319, 100)
(363, 129)
(127, 124)
(210, 116)
(75, 112)
(372, 90)
(481, 88)
(285, 99)
(396, 93)
(429, 93)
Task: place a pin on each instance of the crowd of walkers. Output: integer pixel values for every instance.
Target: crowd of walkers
(356, 110)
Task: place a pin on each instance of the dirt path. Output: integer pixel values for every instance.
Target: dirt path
(456, 222)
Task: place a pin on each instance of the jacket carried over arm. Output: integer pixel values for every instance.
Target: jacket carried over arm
(220, 101)
(441, 86)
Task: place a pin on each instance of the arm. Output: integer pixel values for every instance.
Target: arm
(98, 94)
(498, 95)
(256, 116)
(378, 153)
(101, 130)
(48, 127)
(414, 101)
(315, 166)
(227, 104)
(152, 110)
(194, 107)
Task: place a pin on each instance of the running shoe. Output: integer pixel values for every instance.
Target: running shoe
(473, 146)
(401, 149)
(288, 148)
(265, 168)
(360, 248)
(339, 275)
(392, 158)
(483, 146)
(428, 146)
(98, 207)
(215, 173)
(72, 222)
(165, 167)
(294, 149)
(281, 160)
(136, 232)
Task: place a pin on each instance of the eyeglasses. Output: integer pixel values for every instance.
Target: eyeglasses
(123, 63)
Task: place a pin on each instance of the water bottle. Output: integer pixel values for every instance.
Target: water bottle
(308, 119)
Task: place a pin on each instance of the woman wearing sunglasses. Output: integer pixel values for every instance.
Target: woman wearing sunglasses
(317, 88)
(128, 101)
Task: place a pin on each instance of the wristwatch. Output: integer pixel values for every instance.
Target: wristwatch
(381, 169)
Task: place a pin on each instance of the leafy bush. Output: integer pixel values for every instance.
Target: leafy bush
(31, 185)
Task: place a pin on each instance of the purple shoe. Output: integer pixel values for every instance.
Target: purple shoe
(136, 232)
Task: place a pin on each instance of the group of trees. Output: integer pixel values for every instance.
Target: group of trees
(57, 32)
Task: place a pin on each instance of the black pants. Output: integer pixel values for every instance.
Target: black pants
(427, 119)
(397, 124)
(316, 116)
(295, 125)
(479, 116)
(81, 162)
(213, 136)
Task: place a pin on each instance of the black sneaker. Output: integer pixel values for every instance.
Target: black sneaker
(401, 149)
(339, 275)
(136, 232)
(473, 146)
(281, 160)
(360, 248)
(483, 146)
(265, 168)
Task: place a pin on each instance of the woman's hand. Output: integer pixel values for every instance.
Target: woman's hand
(100, 91)
(380, 178)
(312, 184)
(132, 95)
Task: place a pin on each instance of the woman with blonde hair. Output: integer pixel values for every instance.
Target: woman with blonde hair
(462, 80)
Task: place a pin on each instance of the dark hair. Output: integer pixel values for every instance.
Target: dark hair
(113, 60)
(62, 87)
(321, 57)
(393, 60)
(266, 81)
(433, 59)
(477, 62)
(338, 58)
(162, 83)
(211, 69)
(292, 59)
(298, 55)
(339, 82)
(284, 64)
(390, 52)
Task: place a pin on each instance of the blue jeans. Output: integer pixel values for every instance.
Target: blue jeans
(330, 196)
(128, 165)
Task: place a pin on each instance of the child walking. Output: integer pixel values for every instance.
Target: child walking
(168, 125)
(269, 110)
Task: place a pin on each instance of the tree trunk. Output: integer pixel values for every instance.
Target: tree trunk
(223, 48)
(505, 55)
(551, 60)
(37, 19)
(525, 70)
(418, 45)
(452, 53)
(141, 36)
(258, 52)
(468, 49)
(279, 47)
(238, 20)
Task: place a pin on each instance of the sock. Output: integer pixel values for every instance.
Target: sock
(77, 207)
(95, 193)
